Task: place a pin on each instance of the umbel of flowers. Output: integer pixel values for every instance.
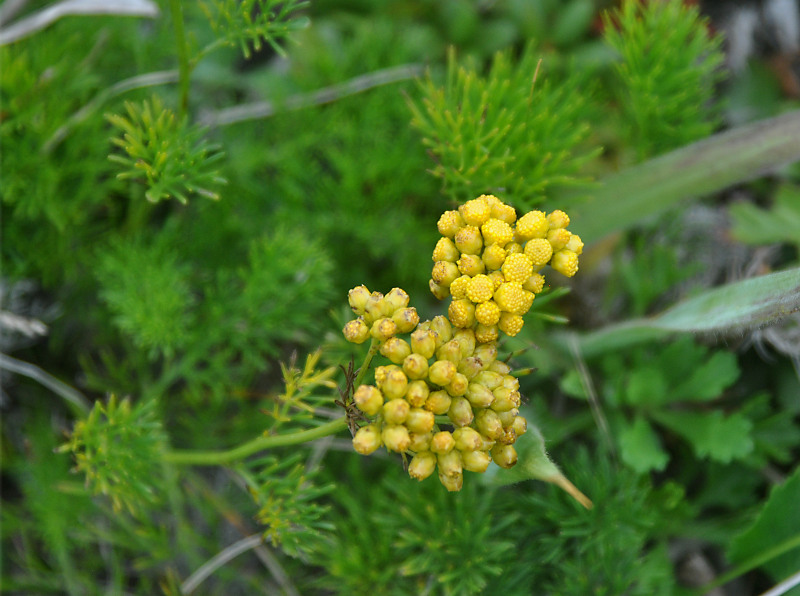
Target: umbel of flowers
(446, 400)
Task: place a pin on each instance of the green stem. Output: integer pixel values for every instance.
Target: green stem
(215, 458)
(752, 563)
(374, 346)
(183, 55)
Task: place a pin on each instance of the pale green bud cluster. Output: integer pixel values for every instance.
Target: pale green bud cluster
(489, 262)
(379, 316)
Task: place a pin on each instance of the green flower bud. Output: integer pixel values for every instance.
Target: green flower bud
(450, 463)
(420, 421)
(423, 342)
(396, 437)
(507, 418)
(504, 456)
(405, 319)
(450, 351)
(469, 367)
(417, 393)
(491, 380)
(368, 399)
(444, 273)
(467, 439)
(383, 329)
(420, 442)
(452, 483)
(395, 384)
(397, 298)
(395, 411)
(356, 331)
(438, 402)
(469, 240)
(458, 386)
(442, 372)
(465, 339)
(460, 412)
(511, 382)
(505, 399)
(395, 349)
(499, 366)
(487, 353)
(442, 442)
(422, 465)
(488, 423)
(479, 395)
(367, 439)
(357, 297)
(443, 329)
(509, 437)
(475, 461)
(415, 366)
(373, 309)
(439, 292)
(519, 426)
(485, 333)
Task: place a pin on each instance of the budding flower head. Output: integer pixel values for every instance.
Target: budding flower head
(422, 465)
(357, 297)
(367, 439)
(356, 331)
(368, 399)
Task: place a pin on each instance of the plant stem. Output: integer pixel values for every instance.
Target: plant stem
(374, 346)
(183, 55)
(215, 458)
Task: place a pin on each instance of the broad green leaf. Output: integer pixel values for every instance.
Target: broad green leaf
(646, 386)
(640, 447)
(711, 434)
(773, 541)
(707, 166)
(759, 226)
(727, 310)
(708, 379)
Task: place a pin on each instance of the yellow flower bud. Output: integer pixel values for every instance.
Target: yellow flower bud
(499, 366)
(368, 399)
(417, 393)
(479, 396)
(487, 352)
(513, 248)
(396, 349)
(395, 411)
(575, 244)
(395, 384)
(420, 421)
(509, 437)
(495, 231)
(395, 299)
(497, 279)
(442, 442)
(446, 250)
(565, 262)
(450, 463)
(438, 402)
(461, 313)
(405, 319)
(467, 439)
(439, 292)
(441, 372)
(420, 442)
(558, 238)
(449, 223)
(469, 240)
(383, 329)
(452, 483)
(375, 308)
(460, 412)
(475, 212)
(507, 418)
(488, 423)
(535, 283)
(469, 367)
(415, 366)
(458, 386)
(519, 426)
(518, 267)
(465, 339)
(471, 265)
(489, 379)
(493, 257)
(450, 351)
(539, 251)
(367, 439)
(423, 342)
(396, 437)
(511, 382)
(444, 273)
(422, 465)
(480, 289)
(510, 324)
(475, 461)
(533, 224)
(504, 456)
(357, 297)
(458, 289)
(443, 329)
(504, 213)
(510, 297)
(486, 333)
(558, 219)
(505, 399)
(356, 331)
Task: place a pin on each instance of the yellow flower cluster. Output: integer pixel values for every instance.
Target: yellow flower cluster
(439, 371)
(489, 262)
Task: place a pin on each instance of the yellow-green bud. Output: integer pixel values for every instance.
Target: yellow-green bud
(539, 251)
(510, 324)
(508, 437)
(395, 411)
(479, 396)
(450, 351)
(467, 439)
(420, 421)
(357, 297)
(487, 313)
(471, 265)
(420, 442)
(442, 372)
(442, 442)
(423, 342)
(475, 461)
(501, 367)
(532, 225)
(458, 289)
(460, 412)
(487, 353)
(493, 257)
(368, 399)
(491, 380)
(495, 231)
(507, 418)
(511, 382)
(374, 308)
(415, 366)
(445, 273)
(396, 437)
(558, 219)
(476, 211)
(519, 426)
(485, 334)
(504, 456)
(504, 212)
(558, 238)
(367, 439)
(422, 465)
(505, 399)
(469, 367)
(469, 240)
(405, 319)
(450, 463)
(565, 262)
(443, 329)
(461, 313)
(480, 289)
(458, 386)
(535, 283)
(449, 223)
(575, 244)
(452, 483)
(446, 250)
(397, 298)
(417, 393)
(383, 329)
(356, 331)
(518, 268)
(396, 349)
(395, 384)
(439, 292)
(438, 402)
(488, 423)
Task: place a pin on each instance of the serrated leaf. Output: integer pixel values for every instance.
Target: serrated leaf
(709, 378)
(640, 447)
(776, 529)
(711, 434)
(645, 386)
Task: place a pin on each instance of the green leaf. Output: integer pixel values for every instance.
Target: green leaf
(708, 379)
(711, 434)
(730, 309)
(704, 167)
(780, 223)
(646, 385)
(640, 447)
(773, 541)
